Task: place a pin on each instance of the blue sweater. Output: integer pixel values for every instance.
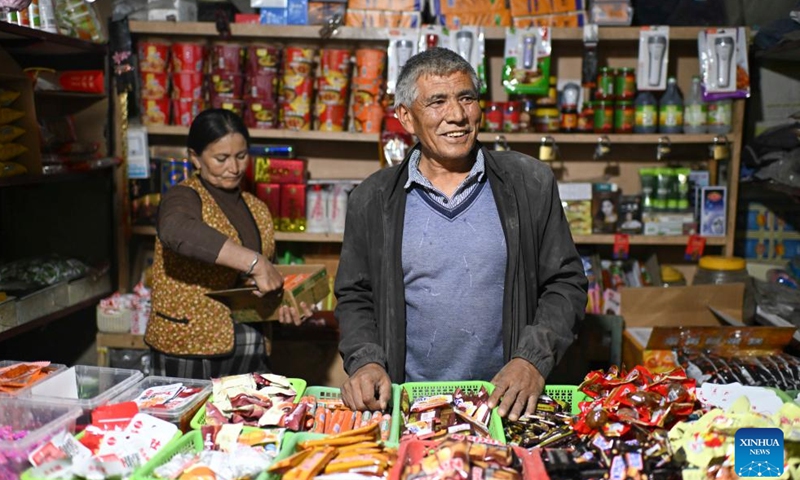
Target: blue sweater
(454, 264)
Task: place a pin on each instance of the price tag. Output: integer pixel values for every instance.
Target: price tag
(695, 247)
(622, 246)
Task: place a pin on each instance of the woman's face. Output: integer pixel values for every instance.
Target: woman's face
(607, 208)
(224, 162)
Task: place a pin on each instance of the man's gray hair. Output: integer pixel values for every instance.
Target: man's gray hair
(439, 62)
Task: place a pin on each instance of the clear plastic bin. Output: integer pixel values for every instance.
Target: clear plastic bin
(53, 369)
(181, 416)
(96, 386)
(41, 420)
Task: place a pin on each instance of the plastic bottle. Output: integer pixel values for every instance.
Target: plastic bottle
(720, 116)
(646, 113)
(670, 109)
(695, 112)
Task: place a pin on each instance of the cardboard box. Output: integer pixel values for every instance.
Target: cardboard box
(657, 223)
(567, 6)
(297, 12)
(576, 198)
(485, 19)
(278, 170)
(649, 307)
(461, 7)
(520, 8)
(391, 5)
(303, 283)
(382, 19)
(713, 211)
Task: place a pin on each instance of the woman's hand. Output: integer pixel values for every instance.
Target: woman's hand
(289, 315)
(266, 277)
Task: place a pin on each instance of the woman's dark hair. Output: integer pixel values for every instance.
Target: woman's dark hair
(213, 124)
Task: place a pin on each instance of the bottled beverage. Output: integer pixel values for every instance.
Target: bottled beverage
(646, 114)
(695, 112)
(670, 109)
(720, 116)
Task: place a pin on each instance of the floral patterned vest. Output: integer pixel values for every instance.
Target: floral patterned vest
(184, 321)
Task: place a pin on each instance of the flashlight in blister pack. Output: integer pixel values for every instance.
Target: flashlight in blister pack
(723, 47)
(403, 51)
(464, 44)
(656, 46)
(529, 52)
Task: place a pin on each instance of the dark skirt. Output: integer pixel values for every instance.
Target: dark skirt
(249, 356)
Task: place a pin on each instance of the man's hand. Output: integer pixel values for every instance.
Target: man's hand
(519, 384)
(368, 389)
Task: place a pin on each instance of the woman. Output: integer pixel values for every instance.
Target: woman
(211, 236)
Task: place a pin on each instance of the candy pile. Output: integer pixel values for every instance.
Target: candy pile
(548, 426)
(20, 375)
(255, 399)
(458, 456)
(330, 416)
(355, 452)
(167, 397)
(465, 412)
(11, 461)
(778, 370)
(228, 451)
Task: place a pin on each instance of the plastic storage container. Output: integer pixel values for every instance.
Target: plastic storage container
(718, 270)
(180, 416)
(394, 405)
(96, 386)
(53, 369)
(40, 420)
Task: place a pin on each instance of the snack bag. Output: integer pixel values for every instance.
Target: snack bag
(9, 133)
(527, 61)
(7, 97)
(11, 150)
(8, 115)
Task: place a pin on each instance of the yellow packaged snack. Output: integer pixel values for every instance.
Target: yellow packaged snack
(9, 132)
(11, 150)
(8, 115)
(7, 97)
(9, 169)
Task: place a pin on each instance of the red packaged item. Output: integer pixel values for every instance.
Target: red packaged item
(260, 114)
(187, 57)
(184, 110)
(270, 193)
(233, 104)
(262, 58)
(367, 118)
(227, 57)
(262, 85)
(153, 56)
(187, 85)
(367, 91)
(226, 84)
(295, 87)
(298, 55)
(248, 18)
(86, 81)
(494, 116)
(335, 60)
(330, 118)
(370, 63)
(155, 86)
(293, 120)
(155, 112)
(278, 170)
(293, 207)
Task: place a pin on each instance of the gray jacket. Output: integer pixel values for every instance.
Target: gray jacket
(545, 286)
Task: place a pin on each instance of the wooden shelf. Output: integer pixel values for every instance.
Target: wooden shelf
(659, 240)
(308, 237)
(376, 34)
(178, 131)
(41, 321)
(618, 138)
(26, 179)
(39, 42)
(144, 230)
(61, 95)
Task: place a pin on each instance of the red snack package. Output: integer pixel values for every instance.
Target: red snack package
(87, 81)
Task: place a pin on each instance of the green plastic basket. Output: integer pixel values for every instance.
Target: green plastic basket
(568, 394)
(192, 442)
(427, 389)
(200, 417)
(394, 405)
(786, 397)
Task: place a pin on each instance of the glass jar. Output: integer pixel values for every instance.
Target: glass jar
(494, 116)
(526, 115)
(603, 116)
(717, 270)
(605, 84)
(546, 120)
(511, 116)
(569, 121)
(624, 117)
(586, 119)
(626, 84)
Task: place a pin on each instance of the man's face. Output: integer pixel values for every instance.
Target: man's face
(445, 116)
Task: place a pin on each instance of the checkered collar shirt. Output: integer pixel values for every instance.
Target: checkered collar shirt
(417, 179)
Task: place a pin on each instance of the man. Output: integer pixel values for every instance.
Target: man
(457, 264)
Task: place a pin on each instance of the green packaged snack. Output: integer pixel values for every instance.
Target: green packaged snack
(682, 179)
(527, 61)
(672, 185)
(649, 185)
(661, 197)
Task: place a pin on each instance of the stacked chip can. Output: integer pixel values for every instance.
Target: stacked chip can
(367, 91)
(154, 81)
(261, 87)
(333, 86)
(226, 81)
(188, 90)
(297, 88)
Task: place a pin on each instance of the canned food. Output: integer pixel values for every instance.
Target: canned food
(494, 116)
(511, 115)
(227, 84)
(184, 110)
(586, 118)
(624, 117)
(260, 114)
(262, 86)
(155, 112)
(227, 57)
(294, 55)
(330, 118)
(605, 84)
(370, 63)
(153, 56)
(603, 117)
(335, 60)
(297, 88)
(367, 118)
(546, 120)
(293, 120)
(331, 96)
(262, 58)
(173, 172)
(626, 84)
(187, 57)
(187, 85)
(569, 121)
(366, 91)
(154, 86)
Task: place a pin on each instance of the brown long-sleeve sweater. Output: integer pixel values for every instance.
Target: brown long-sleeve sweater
(181, 227)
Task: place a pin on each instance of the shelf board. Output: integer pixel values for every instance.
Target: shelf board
(144, 230)
(618, 138)
(39, 42)
(377, 34)
(41, 321)
(658, 240)
(174, 130)
(26, 179)
(308, 237)
(61, 95)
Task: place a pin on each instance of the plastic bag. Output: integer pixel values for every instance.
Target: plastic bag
(8, 115)
(7, 97)
(9, 133)
(11, 150)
